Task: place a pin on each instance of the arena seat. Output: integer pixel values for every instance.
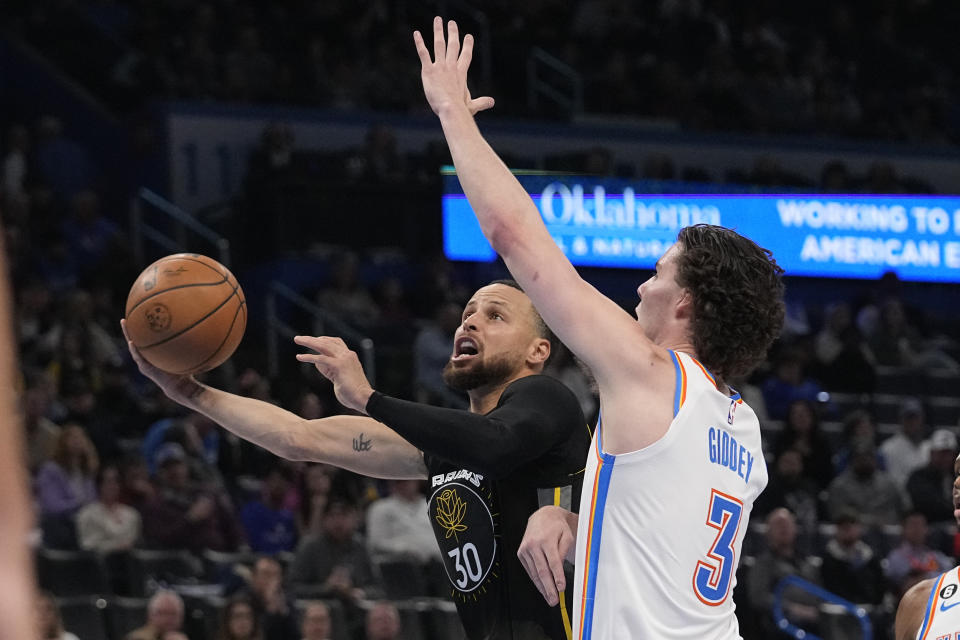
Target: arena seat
(72, 573)
(443, 623)
(84, 616)
(402, 579)
(124, 615)
(162, 566)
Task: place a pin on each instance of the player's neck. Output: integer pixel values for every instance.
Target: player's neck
(685, 346)
(681, 345)
(483, 400)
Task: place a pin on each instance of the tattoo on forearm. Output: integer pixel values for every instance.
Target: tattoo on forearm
(361, 445)
(195, 390)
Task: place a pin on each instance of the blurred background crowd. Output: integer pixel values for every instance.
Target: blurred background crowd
(151, 520)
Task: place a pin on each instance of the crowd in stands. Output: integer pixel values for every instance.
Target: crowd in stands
(837, 68)
(857, 402)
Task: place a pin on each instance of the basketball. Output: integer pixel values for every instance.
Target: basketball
(186, 313)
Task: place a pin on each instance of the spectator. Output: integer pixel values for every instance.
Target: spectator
(858, 426)
(107, 524)
(268, 524)
(62, 164)
(315, 623)
(346, 295)
(801, 432)
(239, 621)
(164, 615)
(34, 319)
(136, 490)
(15, 164)
(788, 488)
(314, 490)
(92, 238)
(851, 569)
(846, 363)
(65, 483)
(788, 384)
(184, 515)
(907, 450)
(398, 526)
(266, 594)
(778, 560)
(931, 487)
(828, 342)
(913, 560)
(377, 161)
(898, 343)
(865, 491)
(335, 562)
(48, 619)
(383, 622)
(835, 178)
(41, 432)
(395, 313)
(78, 344)
(431, 351)
(196, 434)
(752, 395)
(310, 406)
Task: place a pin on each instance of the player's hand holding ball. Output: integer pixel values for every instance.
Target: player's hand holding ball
(185, 314)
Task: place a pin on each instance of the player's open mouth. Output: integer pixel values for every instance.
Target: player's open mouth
(464, 349)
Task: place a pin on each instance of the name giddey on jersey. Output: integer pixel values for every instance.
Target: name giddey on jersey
(661, 528)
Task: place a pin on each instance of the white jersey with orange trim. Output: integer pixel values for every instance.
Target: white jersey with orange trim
(941, 621)
(661, 528)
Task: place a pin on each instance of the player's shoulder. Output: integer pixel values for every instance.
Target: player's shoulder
(912, 608)
(539, 385)
(544, 395)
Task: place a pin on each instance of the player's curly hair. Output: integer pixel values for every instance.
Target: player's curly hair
(737, 290)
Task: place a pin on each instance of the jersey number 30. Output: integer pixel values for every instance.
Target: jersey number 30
(711, 579)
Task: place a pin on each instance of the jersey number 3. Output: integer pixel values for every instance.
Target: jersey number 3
(711, 579)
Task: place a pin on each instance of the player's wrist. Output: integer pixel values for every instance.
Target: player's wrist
(186, 391)
(361, 398)
(452, 110)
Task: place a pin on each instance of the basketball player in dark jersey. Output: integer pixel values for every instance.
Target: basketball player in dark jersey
(521, 446)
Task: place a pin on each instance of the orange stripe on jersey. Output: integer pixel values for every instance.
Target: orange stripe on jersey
(683, 382)
(587, 568)
(709, 375)
(598, 496)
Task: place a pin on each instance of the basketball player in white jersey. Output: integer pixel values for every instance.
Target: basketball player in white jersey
(928, 610)
(676, 461)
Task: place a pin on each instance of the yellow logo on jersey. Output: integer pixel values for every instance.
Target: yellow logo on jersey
(450, 512)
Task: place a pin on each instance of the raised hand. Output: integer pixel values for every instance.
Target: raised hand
(336, 362)
(178, 388)
(445, 76)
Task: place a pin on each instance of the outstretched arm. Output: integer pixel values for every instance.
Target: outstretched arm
(591, 325)
(358, 443)
(534, 413)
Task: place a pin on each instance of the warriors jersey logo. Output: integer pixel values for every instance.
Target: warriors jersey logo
(450, 512)
(464, 528)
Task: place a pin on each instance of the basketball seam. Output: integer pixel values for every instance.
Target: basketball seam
(179, 257)
(185, 329)
(179, 286)
(243, 303)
